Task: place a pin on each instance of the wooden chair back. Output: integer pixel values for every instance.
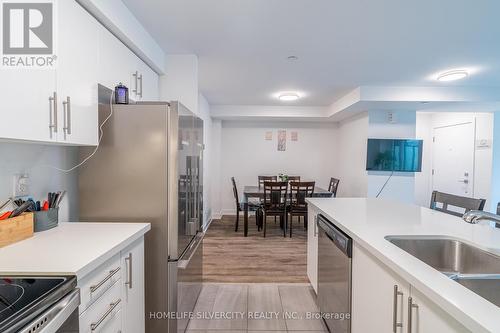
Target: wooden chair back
(275, 195)
(446, 200)
(333, 186)
(263, 179)
(293, 179)
(235, 193)
(299, 191)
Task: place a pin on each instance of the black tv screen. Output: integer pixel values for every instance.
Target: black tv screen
(394, 155)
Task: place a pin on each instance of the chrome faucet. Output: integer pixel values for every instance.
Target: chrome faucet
(474, 216)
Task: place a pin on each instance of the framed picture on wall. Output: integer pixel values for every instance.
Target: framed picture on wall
(281, 140)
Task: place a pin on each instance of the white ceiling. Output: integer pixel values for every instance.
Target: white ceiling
(243, 45)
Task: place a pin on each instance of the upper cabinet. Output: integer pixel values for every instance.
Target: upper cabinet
(60, 105)
(119, 64)
(77, 74)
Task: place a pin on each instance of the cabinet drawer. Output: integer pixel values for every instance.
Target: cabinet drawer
(105, 314)
(96, 283)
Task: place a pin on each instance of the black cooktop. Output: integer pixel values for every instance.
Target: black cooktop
(24, 297)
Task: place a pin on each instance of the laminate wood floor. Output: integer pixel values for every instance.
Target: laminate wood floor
(230, 257)
(256, 308)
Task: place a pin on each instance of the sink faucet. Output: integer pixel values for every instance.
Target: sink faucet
(474, 216)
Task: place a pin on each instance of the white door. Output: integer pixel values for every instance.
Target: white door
(26, 111)
(77, 74)
(133, 288)
(453, 159)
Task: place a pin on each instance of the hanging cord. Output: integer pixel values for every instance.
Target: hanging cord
(101, 134)
(383, 187)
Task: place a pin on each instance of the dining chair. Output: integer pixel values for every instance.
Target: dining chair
(274, 203)
(446, 199)
(240, 206)
(293, 179)
(299, 191)
(263, 179)
(333, 186)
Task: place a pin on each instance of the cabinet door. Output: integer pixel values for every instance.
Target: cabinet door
(77, 74)
(428, 317)
(27, 111)
(375, 299)
(114, 61)
(312, 249)
(133, 288)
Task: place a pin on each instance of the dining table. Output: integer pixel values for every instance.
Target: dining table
(254, 191)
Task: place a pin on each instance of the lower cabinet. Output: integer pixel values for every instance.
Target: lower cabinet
(113, 294)
(384, 302)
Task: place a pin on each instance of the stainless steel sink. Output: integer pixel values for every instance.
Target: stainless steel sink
(470, 266)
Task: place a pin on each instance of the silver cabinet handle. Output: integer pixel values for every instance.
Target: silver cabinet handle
(136, 79)
(140, 86)
(112, 306)
(67, 116)
(411, 306)
(109, 276)
(315, 225)
(395, 323)
(129, 270)
(53, 113)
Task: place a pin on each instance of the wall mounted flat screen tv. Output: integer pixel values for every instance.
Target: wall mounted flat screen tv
(399, 155)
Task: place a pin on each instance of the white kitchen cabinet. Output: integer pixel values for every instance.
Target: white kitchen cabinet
(375, 298)
(132, 259)
(27, 111)
(77, 75)
(312, 248)
(119, 64)
(375, 301)
(428, 317)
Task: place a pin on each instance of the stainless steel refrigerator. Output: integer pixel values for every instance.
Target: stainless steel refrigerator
(149, 168)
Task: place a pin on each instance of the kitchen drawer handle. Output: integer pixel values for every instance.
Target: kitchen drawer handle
(109, 276)
(129, 267)
(411, 306)
(112, 306)
(395, 323)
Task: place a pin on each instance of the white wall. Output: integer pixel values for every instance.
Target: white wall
(350, 157)
(216, 168)
(401, 186)
(245, 154)
(34, 159)
(427, 122)
(204, 113)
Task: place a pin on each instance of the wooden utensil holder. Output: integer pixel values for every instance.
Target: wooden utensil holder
(16, 229)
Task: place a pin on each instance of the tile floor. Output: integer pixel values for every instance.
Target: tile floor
(256, 308)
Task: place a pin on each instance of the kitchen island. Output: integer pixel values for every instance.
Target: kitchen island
(386, 280)
(107, 260)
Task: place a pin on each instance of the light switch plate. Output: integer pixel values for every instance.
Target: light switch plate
(21, 184)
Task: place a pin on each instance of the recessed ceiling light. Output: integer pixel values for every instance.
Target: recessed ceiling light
(453, 75)
(288, 97)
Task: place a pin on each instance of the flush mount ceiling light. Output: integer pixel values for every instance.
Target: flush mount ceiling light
(292, 58)
(288, 97)
(453, 75)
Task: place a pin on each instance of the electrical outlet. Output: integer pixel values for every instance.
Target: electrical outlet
(21, 185)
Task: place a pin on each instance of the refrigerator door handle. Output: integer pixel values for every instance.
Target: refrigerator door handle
(184, 261)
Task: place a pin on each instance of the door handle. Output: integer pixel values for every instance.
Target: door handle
(136, 80)
(128, 260)
(315, 226)
(67, 116)
(395, 323)
(411, 306)
(465, 181)
(140, 86)
(53, 113)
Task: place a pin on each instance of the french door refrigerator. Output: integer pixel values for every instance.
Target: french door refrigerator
(149, 168)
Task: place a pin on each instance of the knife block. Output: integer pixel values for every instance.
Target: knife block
(16, 229)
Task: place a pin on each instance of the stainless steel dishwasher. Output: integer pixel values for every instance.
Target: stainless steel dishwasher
(334, 276)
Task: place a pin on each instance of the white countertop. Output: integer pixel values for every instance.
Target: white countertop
(368, 221)
(69, 249)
